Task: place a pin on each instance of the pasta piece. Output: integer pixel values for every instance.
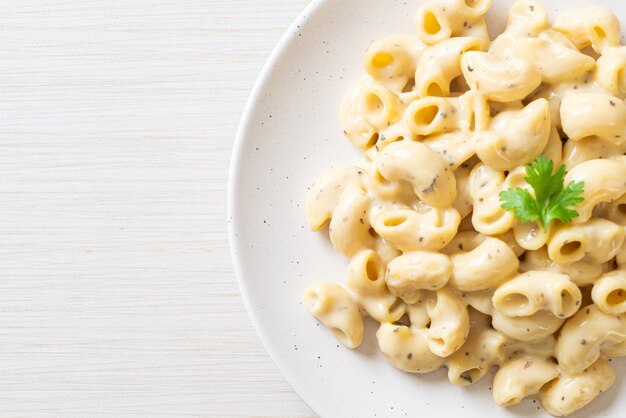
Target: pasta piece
(591, 148)
(527, 328)
(522, 377)
(495, 108)
(418, 312)
(604, 182)
(616, 211)
(517, 178)
(412, 272)
(587, 335)
(592, 114)
(463, 201)
(555, 57)
(515, 138)
(384, 190)
(531, 236)
(594, 26)
(488, 216)
(530, 292)
(477, 29)
(453, 148)
(387, 135)
(437, 21)
(366, 278)
(473, 9)
(464, 241)
(349, 229)
(609, 292)
(367, 108)
(554, 94)
(409, 230)
(415, 163)
(510, 240)
(480, 301)
(440, 64)
(485, 267)
(469, 240)
(539, 348)
(611, 71)
(432, 24)
(526, 19)
(407, 348)
(391, 61)
(553, 150)
(449, 324)
(483, 349)
(385, 251)
(475, 112)
(333, 306)
(499, 79)
(431, 115)
(568, 393)
(582, 273)
(597, 240)
(558, 60)
(323, 196)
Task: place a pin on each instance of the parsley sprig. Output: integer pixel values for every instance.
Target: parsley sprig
(551, 201)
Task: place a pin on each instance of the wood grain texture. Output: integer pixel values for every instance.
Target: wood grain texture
(117, 296)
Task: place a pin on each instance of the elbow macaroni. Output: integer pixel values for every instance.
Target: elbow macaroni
(484, 267)
(449, 325)
(526, 18)
(333, 306)
(568, 393)
(473, 360)
(439, 20)
(432, 180)
(594, 26)
(412, 272)
(582, 273)
(366, 279)
(600, 115)
(488, 216)
(586, 336)
(407, 349)
(530, 292)
(446, 120)
(526, 328)
(604, 182)
(598, 241)
(611, 71)
(391, 61)
(522, 377)
(515, 138)
(609, 292)
(440, 64)
(410, 230)
(348, 231)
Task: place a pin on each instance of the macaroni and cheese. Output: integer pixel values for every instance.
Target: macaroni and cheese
(447, 119)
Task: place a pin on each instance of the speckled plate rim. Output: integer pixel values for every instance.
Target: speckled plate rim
(233, 186)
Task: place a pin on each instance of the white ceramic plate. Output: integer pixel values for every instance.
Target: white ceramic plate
(289, 133)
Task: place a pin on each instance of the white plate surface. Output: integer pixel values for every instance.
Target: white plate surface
(289, 133)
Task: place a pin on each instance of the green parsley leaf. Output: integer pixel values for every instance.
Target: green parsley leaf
(521, 203)
(551, 201)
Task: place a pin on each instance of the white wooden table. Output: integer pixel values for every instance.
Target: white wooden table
(117, 295)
